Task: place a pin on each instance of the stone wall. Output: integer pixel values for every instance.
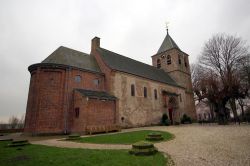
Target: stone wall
(180, 73)
(138, 110)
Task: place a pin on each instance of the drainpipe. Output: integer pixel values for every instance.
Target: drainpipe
(67, 101)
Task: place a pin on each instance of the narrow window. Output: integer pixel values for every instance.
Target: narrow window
(158, 63)
(77, 78)
(185, 62)
(168, 59)
(179, 59)
(77, 112)
(180, 98)
(132, 90)
(155, 92)
(96, 82)
(145, 92)
(205, 116)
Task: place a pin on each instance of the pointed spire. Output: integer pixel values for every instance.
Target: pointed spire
(168, 43)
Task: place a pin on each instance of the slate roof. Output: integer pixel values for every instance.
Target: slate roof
(167, 44)
(70, 57)
(96, 94)
(125, 64)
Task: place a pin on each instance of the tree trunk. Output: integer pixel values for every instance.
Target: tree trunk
(211, 106)
(233, 107)
(241, 103)
(222, 114)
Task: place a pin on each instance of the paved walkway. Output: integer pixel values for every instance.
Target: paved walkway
(208, 145)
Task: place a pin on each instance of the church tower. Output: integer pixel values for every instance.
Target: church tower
(175, 62)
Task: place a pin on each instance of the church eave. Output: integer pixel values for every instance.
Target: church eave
(58, 66)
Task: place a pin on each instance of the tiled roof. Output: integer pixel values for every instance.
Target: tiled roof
(96, 94)
(70, 57)
(128, 65)
(167, 44)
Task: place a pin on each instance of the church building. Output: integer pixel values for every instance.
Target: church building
(71, 90)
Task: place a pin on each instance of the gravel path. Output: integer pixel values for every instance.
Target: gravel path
(69, 144)
(208, 145)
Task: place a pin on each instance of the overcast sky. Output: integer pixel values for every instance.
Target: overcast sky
(30, 30)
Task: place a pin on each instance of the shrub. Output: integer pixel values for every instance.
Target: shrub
(186, 119)
(155, 136)
(164, 120)
(143, 148)
(18, 143)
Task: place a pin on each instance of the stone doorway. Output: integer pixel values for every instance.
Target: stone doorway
(172, 108)
(170, 113)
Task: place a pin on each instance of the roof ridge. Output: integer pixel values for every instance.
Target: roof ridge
(130, 58)
(64, 47)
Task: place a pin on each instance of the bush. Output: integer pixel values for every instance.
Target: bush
(164, 120)
(186, 119)
(143, 148)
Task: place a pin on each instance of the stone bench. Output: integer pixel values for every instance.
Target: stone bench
(102, 128)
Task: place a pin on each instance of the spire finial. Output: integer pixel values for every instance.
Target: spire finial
(167, 23)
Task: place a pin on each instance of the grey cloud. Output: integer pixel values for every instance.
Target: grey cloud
(30, 30)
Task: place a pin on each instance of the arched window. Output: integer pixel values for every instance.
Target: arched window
(185, 62)
(179, 58)
(96, 82)
(168, 59)
(132, 90)
(145, 92)
(155, 93)
(158, 63)
(78, 78)
(77, 112)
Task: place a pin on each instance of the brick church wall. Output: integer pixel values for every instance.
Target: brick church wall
(92, 112)
(50, 99)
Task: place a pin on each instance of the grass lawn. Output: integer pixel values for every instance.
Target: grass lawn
(39, 155)
(123, 138)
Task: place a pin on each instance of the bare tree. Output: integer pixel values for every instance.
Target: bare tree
(13, 122)
(218, 73)
(21, 122)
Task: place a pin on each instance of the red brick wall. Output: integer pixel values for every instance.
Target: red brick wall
(50, 100)
(104, 68)
(31, 104)
(92, 112)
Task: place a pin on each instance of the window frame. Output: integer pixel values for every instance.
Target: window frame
(158, 63)
(145, 92)
(169, 60)
(96, 82)
(78, 78)
(155, 94)
(179, 59)
(132, 90)
(77, 112)
(185, 62)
